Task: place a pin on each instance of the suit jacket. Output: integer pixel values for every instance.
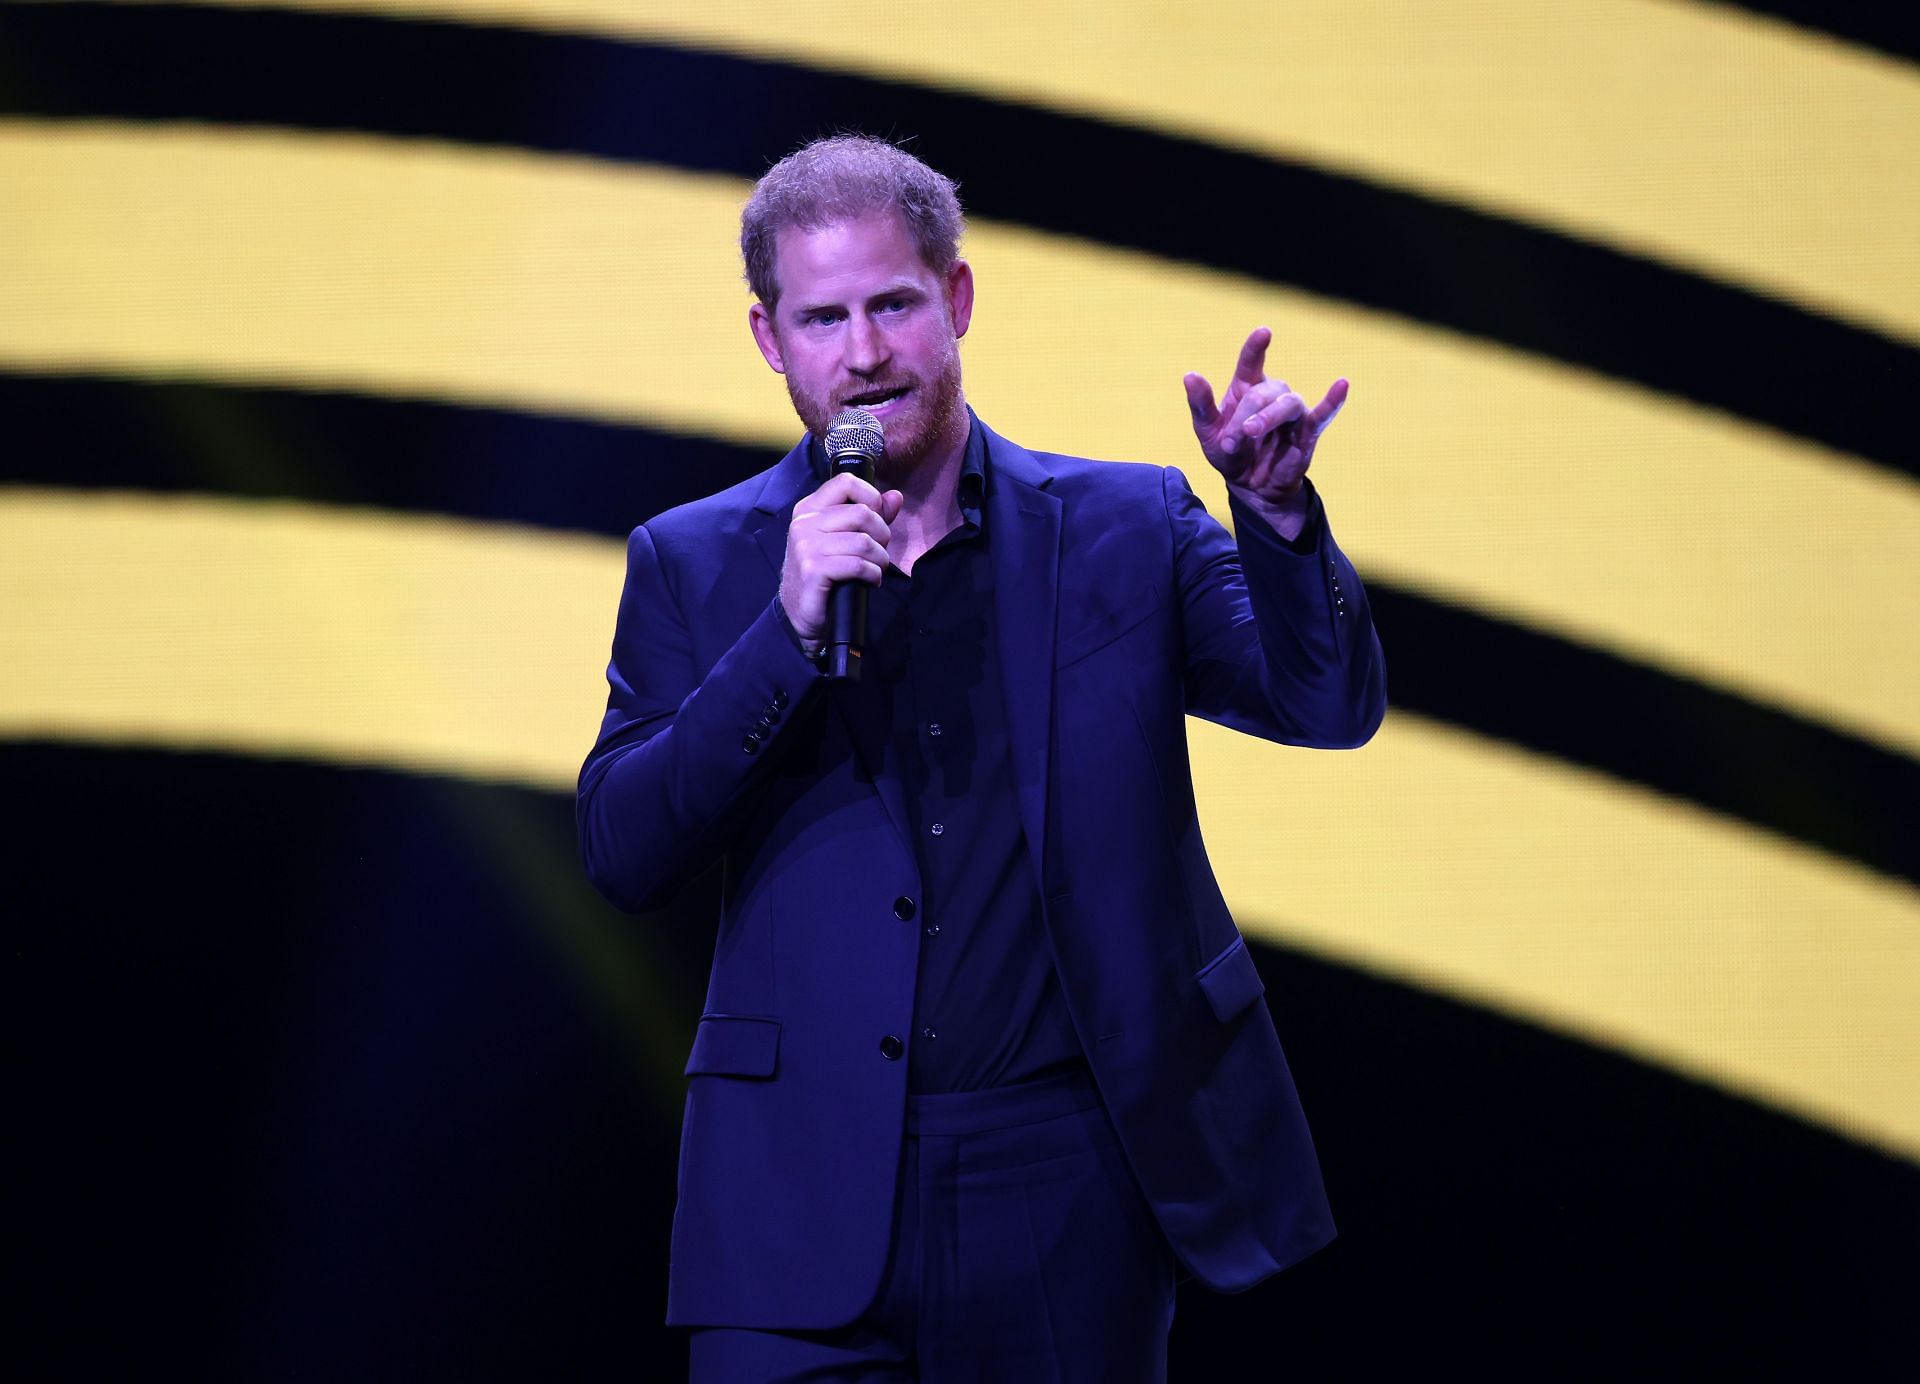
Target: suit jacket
(1120, 606)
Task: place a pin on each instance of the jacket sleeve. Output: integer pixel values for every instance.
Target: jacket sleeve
(1279, 637)
(681, 746)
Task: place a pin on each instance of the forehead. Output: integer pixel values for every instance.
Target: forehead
(860, 254)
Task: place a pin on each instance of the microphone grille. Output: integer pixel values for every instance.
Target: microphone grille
(855, 432)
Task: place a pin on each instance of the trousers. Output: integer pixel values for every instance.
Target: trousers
(1022, 1250)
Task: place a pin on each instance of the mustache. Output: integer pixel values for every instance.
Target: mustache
(873, 393)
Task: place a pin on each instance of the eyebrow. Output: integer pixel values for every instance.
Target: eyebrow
(904, 288)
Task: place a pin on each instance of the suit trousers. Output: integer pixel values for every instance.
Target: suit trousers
(1022, 1249)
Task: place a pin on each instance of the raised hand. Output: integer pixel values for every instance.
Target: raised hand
(1261, 435)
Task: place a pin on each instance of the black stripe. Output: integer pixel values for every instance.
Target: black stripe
(1894, 29)
(348, 1045)
(1737, 757)
(1285, 223)
(349, 449)
(1742, 758)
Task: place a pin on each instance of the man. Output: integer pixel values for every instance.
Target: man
(983, 1062)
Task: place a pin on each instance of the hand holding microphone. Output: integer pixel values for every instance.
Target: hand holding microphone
(837, 546)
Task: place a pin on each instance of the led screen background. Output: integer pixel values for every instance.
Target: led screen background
(341, 344)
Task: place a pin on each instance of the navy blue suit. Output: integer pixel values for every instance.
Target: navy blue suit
(1119, 606)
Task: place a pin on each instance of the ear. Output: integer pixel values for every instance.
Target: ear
(767, 337)
(960, 296)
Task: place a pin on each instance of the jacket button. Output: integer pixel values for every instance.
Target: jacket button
(750, 744)
(779, 701)
(903, 908)
(891, 1048)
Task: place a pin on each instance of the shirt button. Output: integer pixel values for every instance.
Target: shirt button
(903, 908)
(937, 828)
(933, 929)
(934, 729)
(928, 1033)
(891, 1048)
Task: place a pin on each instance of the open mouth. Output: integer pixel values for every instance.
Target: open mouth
(876, 400)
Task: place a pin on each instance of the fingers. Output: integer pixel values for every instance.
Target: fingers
(1325, 411)
(1242, 422)
(1270, 408)
(847, 504)
(843, 519)
(845, 488)
(1200, 403)
(1251, 368)
(1264, 414)
(835, 557)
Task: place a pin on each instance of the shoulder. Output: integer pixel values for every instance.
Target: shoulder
(1133, 489)
(1071, 477)
(696, 531)
(723, 509)
(1092, 473)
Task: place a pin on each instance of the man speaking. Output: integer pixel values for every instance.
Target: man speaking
(984, 1063)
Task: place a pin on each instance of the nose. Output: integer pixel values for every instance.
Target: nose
(866, 347)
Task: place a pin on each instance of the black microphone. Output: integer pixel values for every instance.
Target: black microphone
(854, 439)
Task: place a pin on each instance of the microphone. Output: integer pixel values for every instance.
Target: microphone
(854, 439)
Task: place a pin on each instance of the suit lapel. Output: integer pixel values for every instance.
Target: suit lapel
(790, 479)
(1024, 535)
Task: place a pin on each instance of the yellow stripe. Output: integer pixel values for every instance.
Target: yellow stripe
(1558, 895)
(474, 649)
(1723, 143)
(1547, 496)
(359, 637)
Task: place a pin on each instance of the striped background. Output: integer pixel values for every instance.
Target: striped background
(341, 342)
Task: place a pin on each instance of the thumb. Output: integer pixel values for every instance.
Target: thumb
(890, 505)
(1200, 402)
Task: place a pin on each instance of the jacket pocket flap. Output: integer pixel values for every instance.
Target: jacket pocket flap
(1231, 981)
(1106, 625)
(724, 1045)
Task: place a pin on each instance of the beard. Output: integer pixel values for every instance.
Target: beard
(913, 432)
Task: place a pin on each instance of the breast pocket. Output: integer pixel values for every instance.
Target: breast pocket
(1111, 617)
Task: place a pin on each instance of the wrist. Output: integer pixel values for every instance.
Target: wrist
(813, 649)
(1286, 510)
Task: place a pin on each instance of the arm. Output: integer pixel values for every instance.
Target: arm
(1280, 635)
(1280, 642)
(660, 790)
(681, 748)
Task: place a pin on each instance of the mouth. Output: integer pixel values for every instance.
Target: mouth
(878, 402)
